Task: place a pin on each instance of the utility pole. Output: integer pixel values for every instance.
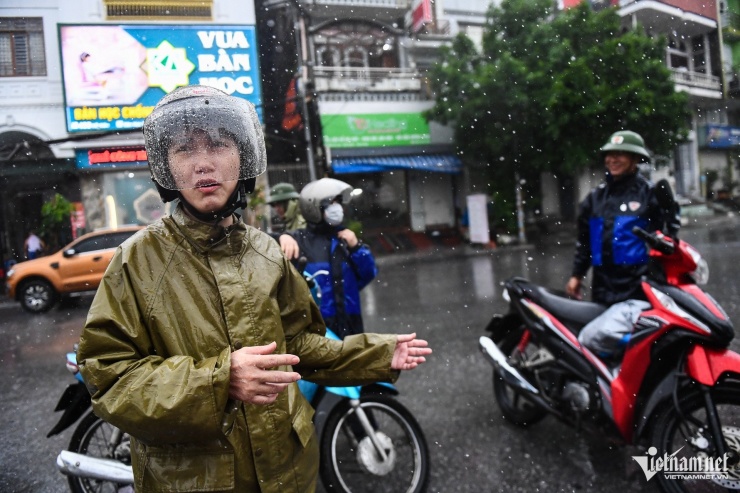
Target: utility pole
(302, 42)
(518, 189)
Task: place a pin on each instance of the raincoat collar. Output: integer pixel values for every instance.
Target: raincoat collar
(292, 211)
(206, 237)
(622, 183)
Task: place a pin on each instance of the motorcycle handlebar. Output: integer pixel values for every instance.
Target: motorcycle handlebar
(301, 267)
(659, 243)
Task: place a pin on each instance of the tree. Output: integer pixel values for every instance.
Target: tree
(548, 89)
(55, 224)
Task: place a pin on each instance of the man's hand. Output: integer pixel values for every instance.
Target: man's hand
(289, 246)
(251, 379)
(409, 352)
(349, 236)
(573, 288)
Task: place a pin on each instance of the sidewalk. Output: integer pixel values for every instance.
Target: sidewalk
(562, 233)
(401, 247)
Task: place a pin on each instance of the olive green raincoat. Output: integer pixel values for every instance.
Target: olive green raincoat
(176, 299)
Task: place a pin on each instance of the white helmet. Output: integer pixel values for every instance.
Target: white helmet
(317, 195)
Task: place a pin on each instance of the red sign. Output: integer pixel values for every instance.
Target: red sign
(105, 156)
(421, 15)
(77, 219)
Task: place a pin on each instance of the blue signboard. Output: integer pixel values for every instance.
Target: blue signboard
(719, 137)
(115, 74)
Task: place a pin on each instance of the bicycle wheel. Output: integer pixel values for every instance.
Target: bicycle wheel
(95, 438)
(350, 461)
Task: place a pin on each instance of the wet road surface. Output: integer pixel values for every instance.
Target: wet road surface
(446, 301)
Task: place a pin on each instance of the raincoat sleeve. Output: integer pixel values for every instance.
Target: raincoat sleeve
(357, 360)
(155, 399)
(364, 265)
(582, 259)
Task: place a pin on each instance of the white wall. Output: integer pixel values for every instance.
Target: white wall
(34, 104)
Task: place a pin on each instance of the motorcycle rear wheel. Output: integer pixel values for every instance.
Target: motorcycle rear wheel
(673, 433)
(92, 437)
(513, 404)
(349, 462)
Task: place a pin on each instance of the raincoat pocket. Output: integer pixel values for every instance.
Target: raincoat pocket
(227, 424)
(303, 425)
(173, 470)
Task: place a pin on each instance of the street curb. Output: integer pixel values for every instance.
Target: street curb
(437, 254)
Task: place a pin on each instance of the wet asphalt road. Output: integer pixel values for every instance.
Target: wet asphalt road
(448, 301)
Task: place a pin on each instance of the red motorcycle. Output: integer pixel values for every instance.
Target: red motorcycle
(676, 390)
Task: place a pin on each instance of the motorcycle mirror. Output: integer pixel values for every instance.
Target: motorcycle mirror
(664, 194)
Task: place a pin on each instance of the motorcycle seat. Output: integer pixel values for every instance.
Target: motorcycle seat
(574, 314)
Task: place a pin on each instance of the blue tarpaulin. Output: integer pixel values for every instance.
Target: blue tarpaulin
(440, 163)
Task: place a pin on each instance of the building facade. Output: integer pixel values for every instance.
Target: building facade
(701, 66)
(695, 56)
(362, 65)
(77, 79)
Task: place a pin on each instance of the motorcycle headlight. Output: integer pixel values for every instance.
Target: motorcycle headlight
(671, 305)
(700, 275)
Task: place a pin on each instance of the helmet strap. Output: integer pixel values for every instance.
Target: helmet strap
(238, 200)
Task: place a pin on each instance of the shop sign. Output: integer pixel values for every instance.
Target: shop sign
(111, 157)
(374, 130)
(719, 137)
(114, 74)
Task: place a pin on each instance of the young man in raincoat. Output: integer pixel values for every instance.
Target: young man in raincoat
(201, 327)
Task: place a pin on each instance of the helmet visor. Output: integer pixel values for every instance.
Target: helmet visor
(197, 142)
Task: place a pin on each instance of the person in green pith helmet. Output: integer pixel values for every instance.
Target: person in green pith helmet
(607, 244)
(284, 201)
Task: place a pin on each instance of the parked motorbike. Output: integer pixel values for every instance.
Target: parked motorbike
(369, 442)
(99, 455)
(676, 389)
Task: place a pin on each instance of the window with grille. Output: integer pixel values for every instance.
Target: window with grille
(22, 47)
(159, 9)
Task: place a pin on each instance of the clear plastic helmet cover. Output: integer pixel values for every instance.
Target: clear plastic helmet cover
(198, 135)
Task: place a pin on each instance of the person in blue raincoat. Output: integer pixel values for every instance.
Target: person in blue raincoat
(607, 245)
(328, 245)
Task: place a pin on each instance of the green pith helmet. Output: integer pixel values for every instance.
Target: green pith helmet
(627, 141)
(282, 191)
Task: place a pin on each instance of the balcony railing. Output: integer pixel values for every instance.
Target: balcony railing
(390, 4)
(343, 79)
(696, 79)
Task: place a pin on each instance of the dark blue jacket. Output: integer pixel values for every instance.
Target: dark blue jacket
(350, 271)
(606, 242)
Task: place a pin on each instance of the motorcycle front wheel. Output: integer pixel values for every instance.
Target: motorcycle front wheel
(684, 433)
(514, 405)
(96, 438)
(351, 463)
